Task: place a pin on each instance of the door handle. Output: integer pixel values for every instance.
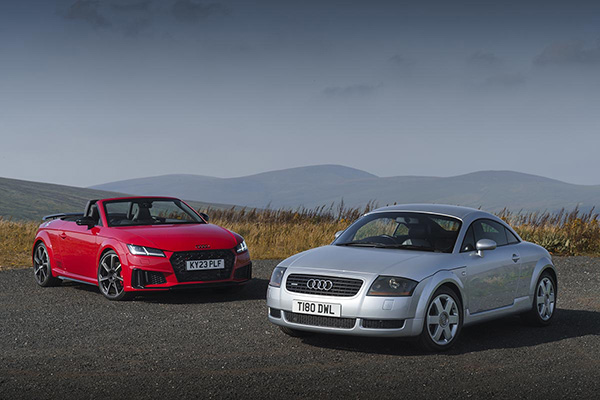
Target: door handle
(63, 235)
(516, 257)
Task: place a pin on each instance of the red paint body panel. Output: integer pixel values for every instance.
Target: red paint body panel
(75, 250)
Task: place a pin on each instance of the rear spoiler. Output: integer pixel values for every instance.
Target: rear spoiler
(61, 215)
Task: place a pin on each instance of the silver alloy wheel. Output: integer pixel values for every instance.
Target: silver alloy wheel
(41, 264)
(545, 298)
(442, 319)
(109, 275)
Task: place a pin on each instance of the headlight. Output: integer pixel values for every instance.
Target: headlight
(144, 251)
(392, 286)
(242, 247)
(277, 276)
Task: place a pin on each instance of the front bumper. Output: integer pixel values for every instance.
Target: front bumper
(157, 274)
(361, 315)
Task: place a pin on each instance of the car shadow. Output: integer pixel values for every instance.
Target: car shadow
(256, 289)
(504, 333)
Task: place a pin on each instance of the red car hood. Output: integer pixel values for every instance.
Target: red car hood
(177, 237)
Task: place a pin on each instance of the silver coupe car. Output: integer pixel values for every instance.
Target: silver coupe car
(419, 270)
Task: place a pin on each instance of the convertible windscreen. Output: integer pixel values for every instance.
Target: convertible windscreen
(403, 230)
(149, 212)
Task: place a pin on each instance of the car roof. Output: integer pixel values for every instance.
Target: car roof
(443, 209)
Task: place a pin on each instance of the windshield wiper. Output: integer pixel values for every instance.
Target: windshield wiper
(387, 246)
(407, 246)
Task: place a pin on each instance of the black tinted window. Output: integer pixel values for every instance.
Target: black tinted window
(469, 241)
(487, 229)
(512, 239)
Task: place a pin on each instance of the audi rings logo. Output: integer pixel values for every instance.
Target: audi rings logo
(318, 284)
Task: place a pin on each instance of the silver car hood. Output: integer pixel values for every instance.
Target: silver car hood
(412, 264)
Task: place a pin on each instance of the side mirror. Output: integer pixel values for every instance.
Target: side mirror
(204, 216)
(484, 245)
(87, 221)
(338, 233)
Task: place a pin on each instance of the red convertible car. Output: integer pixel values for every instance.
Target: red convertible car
(137, 244)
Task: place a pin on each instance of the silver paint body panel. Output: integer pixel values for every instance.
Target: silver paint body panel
(500, 283)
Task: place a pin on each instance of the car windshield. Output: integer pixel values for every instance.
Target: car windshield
(403, 230)
(132, 212)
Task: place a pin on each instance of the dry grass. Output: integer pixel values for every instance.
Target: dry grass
(16, 239)
(569, 233)
(276, 234)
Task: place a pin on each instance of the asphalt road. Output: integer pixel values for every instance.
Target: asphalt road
(70, 342)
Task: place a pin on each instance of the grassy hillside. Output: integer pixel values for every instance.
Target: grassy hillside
(325, 184)
(25, 200)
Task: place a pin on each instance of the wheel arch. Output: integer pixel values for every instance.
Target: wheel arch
(110, 245)
(445, 278)
(543, 265)
(44, 237)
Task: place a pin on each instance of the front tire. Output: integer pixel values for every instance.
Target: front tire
(42, 268)
(110, 277)
(544, 301)
(443, 321)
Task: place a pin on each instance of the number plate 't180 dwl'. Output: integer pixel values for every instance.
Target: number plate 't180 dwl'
(315, 308)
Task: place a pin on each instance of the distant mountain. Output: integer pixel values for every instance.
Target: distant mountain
(25, 200)
(325, 184)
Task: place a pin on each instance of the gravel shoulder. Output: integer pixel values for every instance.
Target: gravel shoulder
(70, 341)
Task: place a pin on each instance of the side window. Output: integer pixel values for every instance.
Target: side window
(469, 241)
(487, 229)
(512, 239)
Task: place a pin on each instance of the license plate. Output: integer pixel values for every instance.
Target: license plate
(316, 308)
(195, 265)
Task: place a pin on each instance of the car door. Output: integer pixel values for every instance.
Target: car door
(79, 247)
(492, 278)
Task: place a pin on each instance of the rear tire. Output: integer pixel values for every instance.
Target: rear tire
(110, 277)
(42, 267)
(443, 321)
(544, 301)
(295, 332)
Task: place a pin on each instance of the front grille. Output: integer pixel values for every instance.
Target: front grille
(244, 272)
(178, 262)
(317, 320)
(343, 287)
(382, 323)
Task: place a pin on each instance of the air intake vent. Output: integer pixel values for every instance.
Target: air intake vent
(382, 323)
(316, 320)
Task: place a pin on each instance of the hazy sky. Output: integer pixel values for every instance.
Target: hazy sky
(96, 91)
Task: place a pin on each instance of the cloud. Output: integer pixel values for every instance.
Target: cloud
(506, 80)
(191, 12)
(568, 53)
(143, 5)
(87, 10)
(481, 59)
(358, 90)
